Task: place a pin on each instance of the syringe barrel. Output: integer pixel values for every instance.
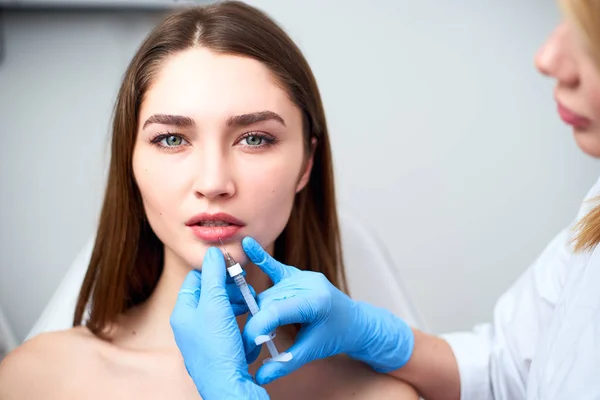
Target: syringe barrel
(240, 282)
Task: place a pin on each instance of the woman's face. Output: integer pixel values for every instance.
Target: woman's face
(219, 154)
(565, 58)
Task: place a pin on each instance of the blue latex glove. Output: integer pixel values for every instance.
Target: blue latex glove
(332, 323)
(208, 336)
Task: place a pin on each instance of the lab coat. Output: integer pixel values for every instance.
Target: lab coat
(544, 341)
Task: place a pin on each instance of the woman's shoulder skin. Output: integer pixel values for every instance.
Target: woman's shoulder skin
(48, 366)
(74, 364)
(339, 377)
(356, 380)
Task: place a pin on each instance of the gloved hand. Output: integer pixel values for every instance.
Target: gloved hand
(208, 335)
(332, 323)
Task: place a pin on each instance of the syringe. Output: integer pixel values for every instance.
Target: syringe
(236, 272)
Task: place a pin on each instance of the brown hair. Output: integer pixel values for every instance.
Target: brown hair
(586, 14)
(127, 258)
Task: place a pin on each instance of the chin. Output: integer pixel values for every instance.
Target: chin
(588, 142)
(195, 258)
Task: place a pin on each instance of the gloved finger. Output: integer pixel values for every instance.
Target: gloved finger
(235, 295)
(275, 294)
(252, 355)
(268, 319)
(213, 278)
(187, 298)
(190, 291)
(236, 299)
(233, 292)
(239, 309)
(273, 268)
(304, 350)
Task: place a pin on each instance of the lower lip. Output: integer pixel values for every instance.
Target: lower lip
(571, 118)
(214, 233)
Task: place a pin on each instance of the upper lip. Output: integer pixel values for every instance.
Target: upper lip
(224, 217)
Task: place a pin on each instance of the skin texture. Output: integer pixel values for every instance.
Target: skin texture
(208, 166)
(214, 168)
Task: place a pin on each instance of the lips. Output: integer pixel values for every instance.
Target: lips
(212, 227)
(571, 118)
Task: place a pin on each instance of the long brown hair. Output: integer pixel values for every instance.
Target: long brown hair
(127, 258)
(586, 14)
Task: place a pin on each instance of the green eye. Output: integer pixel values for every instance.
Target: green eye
(169, 141)
(173, 140)
(254, 140)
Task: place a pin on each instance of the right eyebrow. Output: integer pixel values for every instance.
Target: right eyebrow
(173, 120)
(253, 118)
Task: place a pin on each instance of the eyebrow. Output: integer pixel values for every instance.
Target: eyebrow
(235, 121)
(252, 118)
(173, 120)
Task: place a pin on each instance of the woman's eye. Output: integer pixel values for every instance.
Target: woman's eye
(169, 142)
(172, 141)
(253, 140)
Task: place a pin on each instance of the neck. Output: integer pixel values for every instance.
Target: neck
(148, 325)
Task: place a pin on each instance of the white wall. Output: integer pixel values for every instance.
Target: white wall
(445, 139)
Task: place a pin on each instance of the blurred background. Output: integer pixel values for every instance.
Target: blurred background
(445, 138)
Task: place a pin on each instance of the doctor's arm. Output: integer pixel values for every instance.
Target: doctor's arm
(489, 363)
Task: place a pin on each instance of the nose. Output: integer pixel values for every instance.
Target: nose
(556, 57)
(214, 179)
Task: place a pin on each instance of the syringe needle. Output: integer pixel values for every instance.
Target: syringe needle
(228, 257)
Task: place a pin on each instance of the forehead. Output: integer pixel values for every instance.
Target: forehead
(200, 83)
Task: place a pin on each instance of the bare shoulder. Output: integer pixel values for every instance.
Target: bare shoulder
(47, 365)
(366, 383)
(388, 387)
(340, 377)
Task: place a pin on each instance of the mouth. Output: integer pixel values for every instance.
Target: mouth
(212, 227)
(572, 118)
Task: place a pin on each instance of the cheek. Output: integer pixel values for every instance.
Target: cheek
(589, 141)
(590, 83)
(594, 102)
(160, 187)
(268, 191)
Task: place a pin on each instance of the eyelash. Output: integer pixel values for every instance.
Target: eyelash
(267, 139)
(161, 136)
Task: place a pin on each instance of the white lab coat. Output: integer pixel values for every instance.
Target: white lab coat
(544, 342)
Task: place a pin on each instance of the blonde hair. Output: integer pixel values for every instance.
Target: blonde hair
(586, 15)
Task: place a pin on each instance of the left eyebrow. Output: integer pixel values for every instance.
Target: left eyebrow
(173, 120)
(244, 120)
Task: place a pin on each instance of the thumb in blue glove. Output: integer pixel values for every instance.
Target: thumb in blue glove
(332, 323)
(208, 337)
